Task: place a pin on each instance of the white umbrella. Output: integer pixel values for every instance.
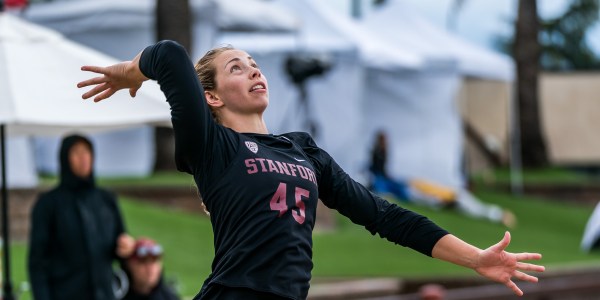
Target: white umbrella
(39, 70)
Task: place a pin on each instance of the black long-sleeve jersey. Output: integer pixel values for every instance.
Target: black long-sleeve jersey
(262, 189)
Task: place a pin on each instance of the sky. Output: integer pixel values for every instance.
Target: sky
(479, 21)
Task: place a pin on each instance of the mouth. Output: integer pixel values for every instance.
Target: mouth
(258, 87)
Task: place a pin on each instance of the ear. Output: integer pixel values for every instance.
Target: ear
(212, 99)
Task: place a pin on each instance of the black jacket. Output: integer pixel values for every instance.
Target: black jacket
(74, 229)
(160, 292)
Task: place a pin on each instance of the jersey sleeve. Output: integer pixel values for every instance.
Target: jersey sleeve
(196, 132)
(340, 192)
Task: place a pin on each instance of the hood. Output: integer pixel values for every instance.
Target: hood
(67, 177)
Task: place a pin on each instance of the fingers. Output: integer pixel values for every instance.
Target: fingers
(93, 81)
(100, 82)
(105, 94)
(96, 90)
(525, 277)
(511, 285)
(530, 267)
(133, 91)
(94, 69)
(528, 256)
(501, 245)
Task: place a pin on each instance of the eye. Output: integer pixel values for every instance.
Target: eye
(234, 68)
(255, 66)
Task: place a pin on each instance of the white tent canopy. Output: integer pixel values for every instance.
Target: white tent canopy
(400, 25)
(118, 28)
(39, 69)
(38, 72)
(255, 15)
(374, 52)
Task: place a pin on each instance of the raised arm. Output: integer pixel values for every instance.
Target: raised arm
(168, 63)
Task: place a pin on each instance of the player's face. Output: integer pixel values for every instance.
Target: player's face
(240, 84)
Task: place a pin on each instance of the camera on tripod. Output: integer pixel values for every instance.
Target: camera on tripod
(302, 66)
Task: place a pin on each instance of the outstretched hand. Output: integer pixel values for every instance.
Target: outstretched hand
(498, 265)
(124, 75)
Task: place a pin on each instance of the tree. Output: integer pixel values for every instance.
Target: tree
(563, 39)
(173, 22)
(527, 53)
(557, 44)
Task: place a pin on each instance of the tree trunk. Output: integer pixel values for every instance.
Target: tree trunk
(173, 22)
(527, 53)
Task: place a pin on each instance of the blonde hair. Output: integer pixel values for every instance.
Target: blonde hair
(207, 71)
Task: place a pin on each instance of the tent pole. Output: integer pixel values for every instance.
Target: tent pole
(6, 286)
(516, 169)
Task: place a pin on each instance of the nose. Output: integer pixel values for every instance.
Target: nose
(255, 73)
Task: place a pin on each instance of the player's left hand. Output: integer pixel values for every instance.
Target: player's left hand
(501, 266)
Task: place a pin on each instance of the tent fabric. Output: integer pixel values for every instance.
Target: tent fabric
(20, 167)
(400, 25)
(418, 113)
(92, 15)
(326, 30)
(375, 52)
(253, 16)
(88, 22)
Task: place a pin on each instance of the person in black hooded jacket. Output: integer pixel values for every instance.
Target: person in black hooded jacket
(76, 232)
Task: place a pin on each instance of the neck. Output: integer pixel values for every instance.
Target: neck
(248, 123)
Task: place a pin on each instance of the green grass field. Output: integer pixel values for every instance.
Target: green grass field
(542, 176)
(552, 228)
